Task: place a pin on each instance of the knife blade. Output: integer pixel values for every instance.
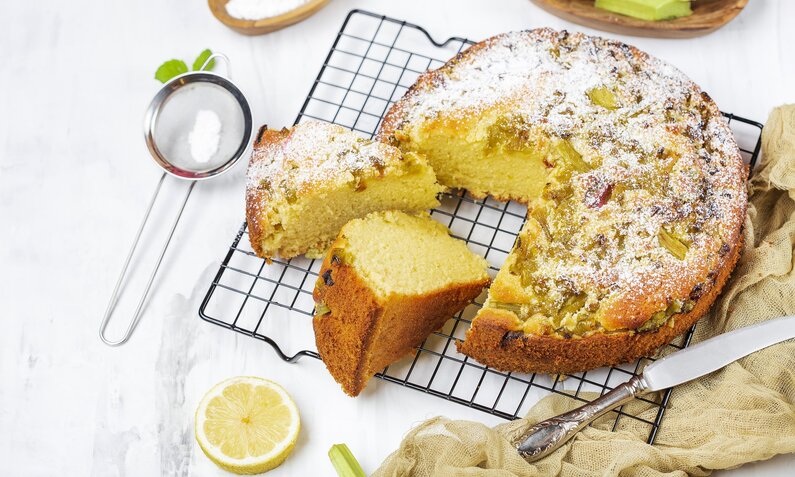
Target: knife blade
(715, 353)
(680, 367)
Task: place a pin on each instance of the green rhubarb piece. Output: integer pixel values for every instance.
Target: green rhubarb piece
(344, 462)
(603, 97)
(541, 217)
(512, 307)
(321, 309)
(571, 157)
(573, 304)
(656, 321)
(677, 247)
(649, 10)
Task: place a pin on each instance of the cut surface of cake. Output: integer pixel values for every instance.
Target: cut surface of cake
(305, 183)
(634, 182)
(387, 282)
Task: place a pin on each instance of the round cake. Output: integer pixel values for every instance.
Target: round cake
(634, 182)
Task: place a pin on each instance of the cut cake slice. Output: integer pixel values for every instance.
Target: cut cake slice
(305, 183)
(387, 282)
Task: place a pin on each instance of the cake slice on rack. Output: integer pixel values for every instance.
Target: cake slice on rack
(305, 183)
(387, 282)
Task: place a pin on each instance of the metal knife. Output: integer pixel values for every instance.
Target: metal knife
(680, 367)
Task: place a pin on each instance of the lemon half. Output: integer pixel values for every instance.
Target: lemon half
(247, 425)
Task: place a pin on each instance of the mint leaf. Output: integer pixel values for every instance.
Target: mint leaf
(197, 64)
(170, 69)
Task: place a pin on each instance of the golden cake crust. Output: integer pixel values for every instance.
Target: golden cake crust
(494, 341)
(357, 344)
(629, 115)
(260, 223)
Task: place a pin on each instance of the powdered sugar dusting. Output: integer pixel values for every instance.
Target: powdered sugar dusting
(314, 155)
(661, 158)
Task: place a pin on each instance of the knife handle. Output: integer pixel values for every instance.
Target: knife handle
(545, 437)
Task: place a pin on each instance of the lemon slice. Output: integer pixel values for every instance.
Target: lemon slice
(247, 425)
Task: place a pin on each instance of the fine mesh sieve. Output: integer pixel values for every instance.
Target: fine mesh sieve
(170, 129)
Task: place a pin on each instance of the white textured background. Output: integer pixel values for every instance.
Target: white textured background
(75, 78)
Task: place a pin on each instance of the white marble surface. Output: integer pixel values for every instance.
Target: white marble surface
(74, 180)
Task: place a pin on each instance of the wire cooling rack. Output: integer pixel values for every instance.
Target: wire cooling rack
(372, 62)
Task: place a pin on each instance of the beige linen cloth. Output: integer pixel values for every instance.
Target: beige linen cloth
(742, 413)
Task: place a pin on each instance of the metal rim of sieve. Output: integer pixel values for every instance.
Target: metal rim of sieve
(160, 99)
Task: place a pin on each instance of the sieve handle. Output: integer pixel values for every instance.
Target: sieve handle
(218, 56)
(115, 295)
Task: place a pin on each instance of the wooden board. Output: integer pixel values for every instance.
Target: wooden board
(265, 25)
(708, 16)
